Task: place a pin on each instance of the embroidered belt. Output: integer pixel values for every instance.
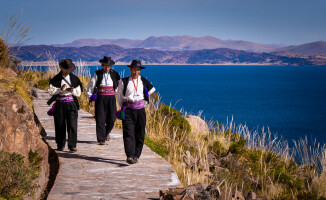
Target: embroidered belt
(65, 99)
(106, 90)
(135, 105)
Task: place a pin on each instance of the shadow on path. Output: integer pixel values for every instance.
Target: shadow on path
(78, 141)
(95, 159)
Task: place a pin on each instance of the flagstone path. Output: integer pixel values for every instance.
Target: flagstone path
(101, 172)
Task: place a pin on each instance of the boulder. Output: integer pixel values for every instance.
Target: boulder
(20, 134)
(237, 196)
(214, 189)
(188, 159)
(198, 125)
(251, 196)
(212, 159)
(202, 165)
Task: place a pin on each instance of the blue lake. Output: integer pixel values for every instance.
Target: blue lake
(290, 100)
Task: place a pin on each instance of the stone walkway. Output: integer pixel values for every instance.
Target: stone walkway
(101, 172)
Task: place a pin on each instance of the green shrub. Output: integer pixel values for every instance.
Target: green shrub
(18, 179)
(157, 147)
(238, 147)
(218, 149)
(4, 54)
(176, 120)
(42, 84)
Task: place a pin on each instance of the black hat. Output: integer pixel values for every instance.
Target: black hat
(136, 63)
(66, 65)
(107, 61)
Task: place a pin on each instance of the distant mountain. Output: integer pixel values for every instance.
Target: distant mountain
(312, 48)
(176, 43)
(126, 43)
(153, 56)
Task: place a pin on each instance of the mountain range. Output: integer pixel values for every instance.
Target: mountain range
(153, 56)
(176, 43)
(178, 50)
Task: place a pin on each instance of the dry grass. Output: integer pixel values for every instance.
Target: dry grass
(266, 158)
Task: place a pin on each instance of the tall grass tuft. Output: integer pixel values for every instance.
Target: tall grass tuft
(13, 33)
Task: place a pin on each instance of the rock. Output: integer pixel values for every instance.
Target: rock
(227, 158)
(200, 187)
(189, 160)
(172, 193)
(273, 190)
(214, 189)
(221, 170)
(207, 173)
(213, 159)
(9, 71)
(251, 196)
(204, 195)
(202, 165)
(19, 134)
(237, 196)
(192, 192)
(253, 183)
(198, 125)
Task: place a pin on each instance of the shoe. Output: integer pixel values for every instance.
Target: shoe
(130, 160)
(60, 149)
(101, 143)
(135, 160)
(72, 150)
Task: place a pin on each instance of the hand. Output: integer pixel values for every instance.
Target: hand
(70, 89)
(63, 87)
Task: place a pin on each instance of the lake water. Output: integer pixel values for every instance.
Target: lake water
(290, 100)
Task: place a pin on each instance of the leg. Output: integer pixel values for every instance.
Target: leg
(72, 117)
(100, 115)
(60, 125)
(128, 133)
(140, 132)
(110, 115)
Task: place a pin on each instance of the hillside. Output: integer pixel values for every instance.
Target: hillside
(312, 48)
(152, 56)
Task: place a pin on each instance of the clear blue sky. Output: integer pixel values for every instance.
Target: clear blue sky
(263, 21)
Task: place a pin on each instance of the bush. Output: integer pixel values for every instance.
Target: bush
(218, 148)
(157, 147)
(238, 147)
(17, 178)
(4, 55)
(177, 123)
(42, 84)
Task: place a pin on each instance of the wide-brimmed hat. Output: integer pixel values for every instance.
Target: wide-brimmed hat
(107, 61)
(66, 65)
(136, 63)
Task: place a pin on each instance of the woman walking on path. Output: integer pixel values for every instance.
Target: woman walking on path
(101, 89)
(66, 87)
(133, 95)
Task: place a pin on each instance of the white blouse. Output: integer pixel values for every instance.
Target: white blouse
(54, 90)
(132, 95)
(107, 81)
